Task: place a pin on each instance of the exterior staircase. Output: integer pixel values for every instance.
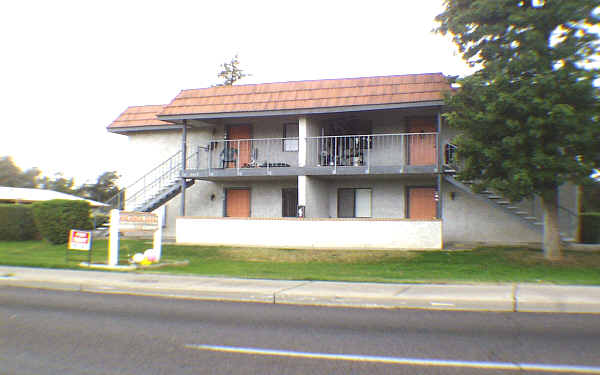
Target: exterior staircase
(153, 189)
(567, 219)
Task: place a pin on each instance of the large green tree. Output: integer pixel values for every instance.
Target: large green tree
(105, 187)
(59, 183)
(529, 117)
(13, 176)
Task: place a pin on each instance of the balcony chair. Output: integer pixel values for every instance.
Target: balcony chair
(228, 155)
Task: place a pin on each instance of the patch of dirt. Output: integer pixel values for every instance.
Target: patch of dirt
(568, 258)
(312, 256)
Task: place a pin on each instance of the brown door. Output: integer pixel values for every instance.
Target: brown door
(421, 147)
(242, 147)
(237, 202)
(421, 203)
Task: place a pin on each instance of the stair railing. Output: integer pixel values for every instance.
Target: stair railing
(149, 185)
(568, 220)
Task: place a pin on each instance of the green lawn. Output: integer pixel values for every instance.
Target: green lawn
(483, 264)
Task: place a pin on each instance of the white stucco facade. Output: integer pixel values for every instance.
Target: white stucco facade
(464, 218)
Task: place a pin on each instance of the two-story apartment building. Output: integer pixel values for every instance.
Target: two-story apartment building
(340, 163)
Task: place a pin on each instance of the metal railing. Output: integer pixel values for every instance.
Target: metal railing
(149, 185)
(325, 151)
(372, 150)
(568, 222)
(246, 153)
(450, 157)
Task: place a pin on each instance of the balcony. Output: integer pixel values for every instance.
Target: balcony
(326, 155)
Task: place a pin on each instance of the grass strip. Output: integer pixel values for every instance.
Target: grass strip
(483, 264)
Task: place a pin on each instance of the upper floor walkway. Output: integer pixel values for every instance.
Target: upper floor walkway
(401, 153)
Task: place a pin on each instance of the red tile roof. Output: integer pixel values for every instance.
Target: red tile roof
(309, 94)
(139, 116)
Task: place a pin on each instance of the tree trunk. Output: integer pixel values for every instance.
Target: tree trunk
(579, 209)
(552, 245)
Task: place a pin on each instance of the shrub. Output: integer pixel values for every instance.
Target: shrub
(16, 223)
(590, 227)
(101, 219)
(55, 218)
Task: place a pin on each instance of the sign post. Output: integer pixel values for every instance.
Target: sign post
(123, 221)
(157, 240)
(113, 238)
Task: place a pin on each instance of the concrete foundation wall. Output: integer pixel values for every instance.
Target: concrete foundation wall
(306, 233)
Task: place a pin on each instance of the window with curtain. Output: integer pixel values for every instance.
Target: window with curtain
(354, 202)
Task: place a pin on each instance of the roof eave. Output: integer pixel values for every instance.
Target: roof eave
(131, 129)
(300, 111)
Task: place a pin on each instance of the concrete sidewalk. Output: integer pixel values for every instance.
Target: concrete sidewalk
(475, 297)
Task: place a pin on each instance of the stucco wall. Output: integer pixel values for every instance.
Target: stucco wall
(306, 233)
(146, 150)
(468, 219)
(317, 198)
(265, 199)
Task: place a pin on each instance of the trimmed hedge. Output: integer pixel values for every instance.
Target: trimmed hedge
(16, 223)
(590, 227)
(101, 219)
(55, 218)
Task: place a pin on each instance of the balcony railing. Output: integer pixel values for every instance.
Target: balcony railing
(372, 150)
(239, 154)
(254, 156)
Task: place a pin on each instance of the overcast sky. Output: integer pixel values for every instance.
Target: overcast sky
(69, 68)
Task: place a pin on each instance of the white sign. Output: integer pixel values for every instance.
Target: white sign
(80, 240)
(121, 221)
(137, 221)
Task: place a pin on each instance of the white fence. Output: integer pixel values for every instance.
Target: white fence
(312, 233)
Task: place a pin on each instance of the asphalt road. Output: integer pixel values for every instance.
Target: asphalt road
(52, 332)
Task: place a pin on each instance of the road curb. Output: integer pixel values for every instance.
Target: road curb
(472, 297)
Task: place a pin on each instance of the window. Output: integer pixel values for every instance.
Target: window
(290, 135)
(354, 203)
(289, 202)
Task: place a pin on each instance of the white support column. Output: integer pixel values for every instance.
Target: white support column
(440, 168)
(302, 141)
(301, 190)
(158, 235)
(183, 162)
